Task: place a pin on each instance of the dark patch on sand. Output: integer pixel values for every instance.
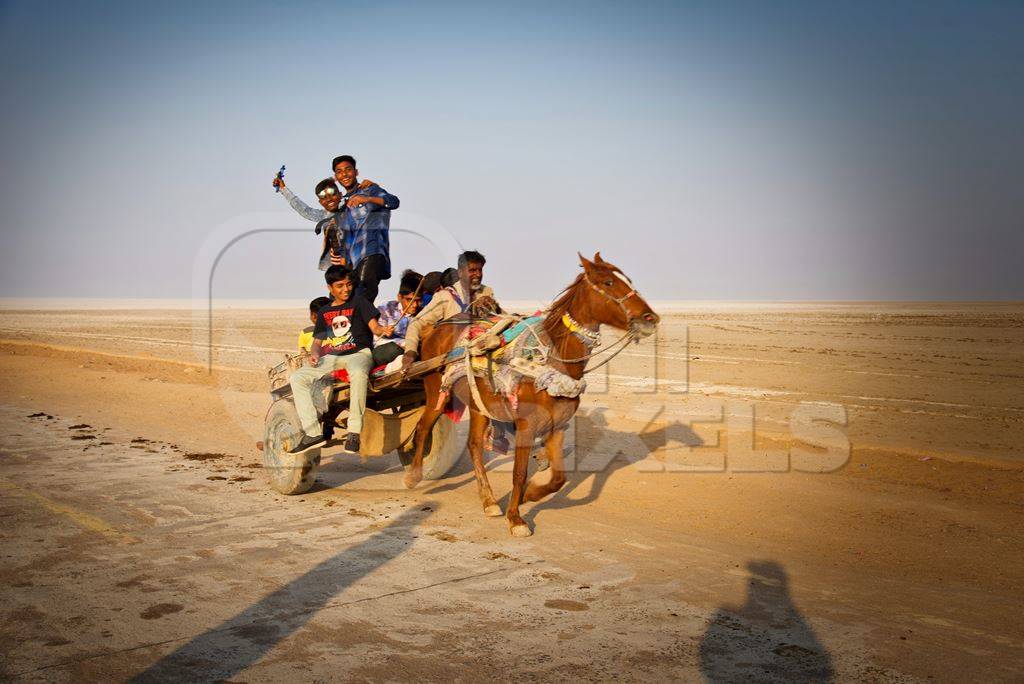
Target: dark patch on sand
(565, 604)
(133, 582)
(159, 610)
(498, 555)
(204, 456)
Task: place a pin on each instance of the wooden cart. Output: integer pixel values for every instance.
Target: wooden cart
(394, 405)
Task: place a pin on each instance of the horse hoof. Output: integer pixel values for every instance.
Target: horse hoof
(520, 531)
(411, 482)
(492, 511)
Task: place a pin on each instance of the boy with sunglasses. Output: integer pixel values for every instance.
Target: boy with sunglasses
(327, 220)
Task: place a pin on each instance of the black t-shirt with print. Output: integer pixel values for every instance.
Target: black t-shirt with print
(344, 328)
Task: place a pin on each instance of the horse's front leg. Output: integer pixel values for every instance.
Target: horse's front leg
(553, 445)
(524, 445)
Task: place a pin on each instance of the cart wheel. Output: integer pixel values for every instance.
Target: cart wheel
(444, 447)
(288, 473)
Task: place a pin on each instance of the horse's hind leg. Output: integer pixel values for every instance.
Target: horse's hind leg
(477, 428)
(553, 445)
(524, 445)
(431, 412)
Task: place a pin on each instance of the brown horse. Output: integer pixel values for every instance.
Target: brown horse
(602, 294)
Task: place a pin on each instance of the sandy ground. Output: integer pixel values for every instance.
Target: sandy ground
(139, 538)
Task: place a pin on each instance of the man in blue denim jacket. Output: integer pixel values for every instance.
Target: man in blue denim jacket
(366, 225)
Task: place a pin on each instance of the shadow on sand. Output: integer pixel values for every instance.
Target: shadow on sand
(227, 649)
(766, 639)
(599, 453)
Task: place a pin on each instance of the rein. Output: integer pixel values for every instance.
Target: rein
(624, 341)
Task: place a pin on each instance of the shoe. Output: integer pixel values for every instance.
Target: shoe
(352, 442)
(307, 443)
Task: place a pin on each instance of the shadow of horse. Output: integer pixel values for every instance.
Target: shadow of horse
(766, 639)
(235, 644)
(595, 453)
(601, 451)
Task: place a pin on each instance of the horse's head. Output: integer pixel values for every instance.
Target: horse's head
(613, 299)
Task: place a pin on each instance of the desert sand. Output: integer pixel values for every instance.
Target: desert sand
(693, 540)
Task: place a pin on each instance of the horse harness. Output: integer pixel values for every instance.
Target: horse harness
(544, 346)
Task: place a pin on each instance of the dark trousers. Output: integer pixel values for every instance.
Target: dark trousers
(368, 275)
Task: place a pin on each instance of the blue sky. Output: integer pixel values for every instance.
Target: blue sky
(789, 150)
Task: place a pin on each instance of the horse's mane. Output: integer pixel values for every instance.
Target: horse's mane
(561, 305)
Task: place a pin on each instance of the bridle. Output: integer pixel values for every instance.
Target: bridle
(618, 300)
(621, 343)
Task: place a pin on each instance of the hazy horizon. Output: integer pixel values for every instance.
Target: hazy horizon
(299, 304)
(740, 152)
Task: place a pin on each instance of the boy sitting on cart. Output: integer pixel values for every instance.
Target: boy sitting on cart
(396, 314)
(342, 338)
(306, 336)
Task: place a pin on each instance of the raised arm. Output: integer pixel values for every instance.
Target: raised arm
(304, 210)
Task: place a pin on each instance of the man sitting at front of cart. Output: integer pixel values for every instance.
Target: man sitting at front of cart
(469, 293)
(342, 338)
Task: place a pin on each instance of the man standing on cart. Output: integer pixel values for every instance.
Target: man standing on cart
(366, 225)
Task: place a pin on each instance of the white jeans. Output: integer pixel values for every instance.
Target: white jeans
(358, 365)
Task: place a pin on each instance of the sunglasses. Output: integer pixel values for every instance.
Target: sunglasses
(326, 192)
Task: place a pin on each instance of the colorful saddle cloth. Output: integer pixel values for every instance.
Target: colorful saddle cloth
(519, 351)
(480, 327)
